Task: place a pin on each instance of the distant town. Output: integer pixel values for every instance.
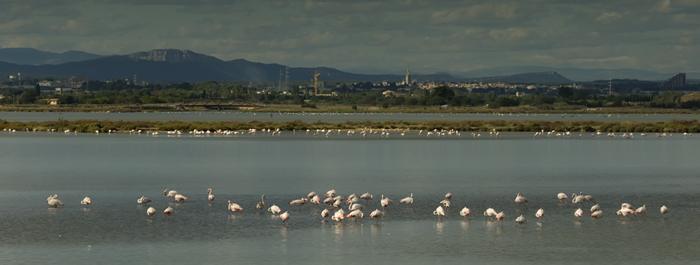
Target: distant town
(31, 89)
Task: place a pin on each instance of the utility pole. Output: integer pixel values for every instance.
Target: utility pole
(610, 87)
(286, 78)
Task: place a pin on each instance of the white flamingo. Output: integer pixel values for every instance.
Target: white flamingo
(540, 214)
(179, 197)
(53, 201)
(578, 213)
(439, 211)
(376, 214)
(664, 210)
(330, 193)
(465, 212)
(151, 211)
(143, 200)
(170, 193)
(385, 201)
(521, 200)
(325, 213)
(500, 217)
(520, 220)
(595, 207)
(448, 195)
(641, 210)
(261, 204)
(355, 214)
(338, 215)
(490, 212)
(169, 211)
(407, 200)
(86, 201)
(366, 196)
(285, 217)
(234, 207)
(562, 198)
(211, 196)
(311, 194)
(597, 215)
(274, 209)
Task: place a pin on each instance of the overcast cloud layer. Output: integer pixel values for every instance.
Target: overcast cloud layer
(455, 36)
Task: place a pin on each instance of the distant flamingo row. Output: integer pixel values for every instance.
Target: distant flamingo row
(355, 208)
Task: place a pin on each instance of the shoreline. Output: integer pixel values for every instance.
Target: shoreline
(674, 126)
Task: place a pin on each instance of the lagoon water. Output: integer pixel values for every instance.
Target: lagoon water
(336, 117)
(114, 170)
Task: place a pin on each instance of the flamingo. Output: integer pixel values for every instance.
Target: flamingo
(366, 196)
(328, 200)
(641, 210)
(274, 209)
(521, 200)
(285, 217)
(143, 200)
(626, 206)
(338, 215)
(311, 194)
(625, 212)
(465, 212)
(234, 207)
(351, 199)
(445, 203)
(86, 201)
(180, 197)
(577, 199)
(151, 211)
(330, 193)
(315, 199)
(448, 195)
(664, 210)
(337, 204)
(377, 214)
(298, 202)
(355, 214)
(595, 207)
(439, 211)
(211, 196)
(169, 211)
(169, 193)
(53, 201)
(562, 198)
(325, 213)
(520, 220)
(261, 204)
(539, 214)
(385, 201)
(490, 212)
(500, 216)
(597, 215)
(356, 206)
(407, 200)
(578, 214)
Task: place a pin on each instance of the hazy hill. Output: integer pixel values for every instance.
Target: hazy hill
(174, 65)
(575, 74)
(29, 56)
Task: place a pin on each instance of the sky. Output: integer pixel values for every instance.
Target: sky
(373, 36)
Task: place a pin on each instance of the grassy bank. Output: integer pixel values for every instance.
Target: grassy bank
(677, 126)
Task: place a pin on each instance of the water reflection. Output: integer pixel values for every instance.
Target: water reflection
(86, 209)
(439, 227)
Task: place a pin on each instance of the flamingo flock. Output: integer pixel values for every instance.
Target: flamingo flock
(333, 206)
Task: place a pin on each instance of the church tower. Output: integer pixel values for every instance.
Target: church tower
(407, 81)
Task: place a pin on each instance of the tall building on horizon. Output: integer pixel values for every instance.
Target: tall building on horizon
(407, 80)
(677, 81)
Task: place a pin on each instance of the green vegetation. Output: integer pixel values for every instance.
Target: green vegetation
(361, 95)
(677, 126)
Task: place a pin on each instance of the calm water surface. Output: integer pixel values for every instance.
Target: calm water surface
(335, 117)
(115, 170)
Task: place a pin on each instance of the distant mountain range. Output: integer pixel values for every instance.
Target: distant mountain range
(182, 65)
(29, 56)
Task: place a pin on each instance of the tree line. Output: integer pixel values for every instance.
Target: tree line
(122, 92)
